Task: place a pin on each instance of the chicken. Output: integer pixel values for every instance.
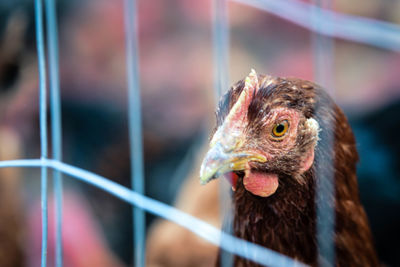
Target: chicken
(169, 244)
(274, 141)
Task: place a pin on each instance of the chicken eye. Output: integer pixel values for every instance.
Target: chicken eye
(280, 129)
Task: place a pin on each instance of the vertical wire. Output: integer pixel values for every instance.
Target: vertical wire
(43, 123)
(135, 126)
(52, 44)
(220, 47)
(221, 78)
(323, 48)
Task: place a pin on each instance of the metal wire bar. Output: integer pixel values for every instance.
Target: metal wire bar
(135, 127)
(220, 47)
(323, 48)
(55, 108)
(43, 123)
(208, 232)
(349, 27)
(221, 84)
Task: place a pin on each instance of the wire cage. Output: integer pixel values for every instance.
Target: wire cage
(318, 18)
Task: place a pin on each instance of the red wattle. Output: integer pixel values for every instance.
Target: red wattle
(260, 184)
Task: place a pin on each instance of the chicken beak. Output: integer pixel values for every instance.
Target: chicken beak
(218, 161)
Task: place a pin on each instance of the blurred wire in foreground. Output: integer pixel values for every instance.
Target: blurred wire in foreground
(323, 52)
(221, 84)
(323, 48)
(206, 231)
(220, 47)
(43, 123)
(52, 45)
(354, 28)
(135, 127)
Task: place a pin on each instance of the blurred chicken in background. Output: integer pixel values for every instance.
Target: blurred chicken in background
(12, 217)
(169, 244)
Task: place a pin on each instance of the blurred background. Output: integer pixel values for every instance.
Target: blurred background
(176, 78)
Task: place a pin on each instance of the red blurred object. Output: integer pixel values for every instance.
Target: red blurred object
(83, 242)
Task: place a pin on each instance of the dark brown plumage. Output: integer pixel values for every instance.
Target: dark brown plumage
(275, 183)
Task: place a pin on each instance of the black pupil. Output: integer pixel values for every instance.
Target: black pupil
(280, 128)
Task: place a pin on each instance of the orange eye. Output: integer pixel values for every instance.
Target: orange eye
(280, 129)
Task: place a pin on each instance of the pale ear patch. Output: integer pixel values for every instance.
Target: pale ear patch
(313, 126)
